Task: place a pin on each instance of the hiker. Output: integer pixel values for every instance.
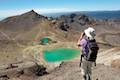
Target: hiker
(89, 49)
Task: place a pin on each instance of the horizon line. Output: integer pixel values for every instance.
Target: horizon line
(46, 11)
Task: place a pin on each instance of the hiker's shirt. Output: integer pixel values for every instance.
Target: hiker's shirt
(85, 49)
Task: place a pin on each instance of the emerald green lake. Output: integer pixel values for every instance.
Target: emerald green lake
(61, 54)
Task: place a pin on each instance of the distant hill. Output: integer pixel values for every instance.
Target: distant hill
(95, 14)
(104, 14)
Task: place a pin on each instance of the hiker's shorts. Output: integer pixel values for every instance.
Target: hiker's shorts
(86, 67)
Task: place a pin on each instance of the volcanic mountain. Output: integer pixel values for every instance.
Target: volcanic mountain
(22, 22)
(31, 25)
(19, 35)
(25, 26)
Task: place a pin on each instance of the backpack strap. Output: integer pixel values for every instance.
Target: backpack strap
(80, 60)
(92, 44)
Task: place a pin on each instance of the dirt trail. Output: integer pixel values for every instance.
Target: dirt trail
(71, 71)
(67, 71)
(108, 55)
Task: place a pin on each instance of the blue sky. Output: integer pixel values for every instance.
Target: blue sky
(15, 7)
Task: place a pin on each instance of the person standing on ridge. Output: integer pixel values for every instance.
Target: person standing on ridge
(89, 49)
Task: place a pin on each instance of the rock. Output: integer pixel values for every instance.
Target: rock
(116, 63)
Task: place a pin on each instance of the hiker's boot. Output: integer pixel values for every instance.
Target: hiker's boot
(84, 77)
(88, 77)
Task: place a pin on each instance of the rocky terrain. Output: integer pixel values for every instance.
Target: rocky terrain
(20, 35)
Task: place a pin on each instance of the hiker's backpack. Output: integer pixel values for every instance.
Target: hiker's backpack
(93, 50)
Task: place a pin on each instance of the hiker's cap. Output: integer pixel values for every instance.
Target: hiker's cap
(90, 32)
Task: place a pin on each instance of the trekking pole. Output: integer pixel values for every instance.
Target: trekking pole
(95, 63)
(80, 61)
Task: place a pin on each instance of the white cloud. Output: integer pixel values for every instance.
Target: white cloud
(6, 13)
(55, 10)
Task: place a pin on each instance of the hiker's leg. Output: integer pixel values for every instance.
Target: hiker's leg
(83, 74)
(90, 69)
(84, 69)
(88, 77)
